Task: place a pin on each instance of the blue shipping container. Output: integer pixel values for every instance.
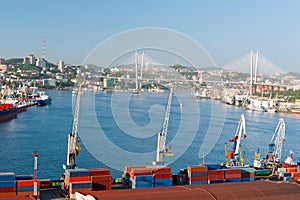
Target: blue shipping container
(233, 180)
(4, 184)
(81, 185)
(7, 176)
(197, 182)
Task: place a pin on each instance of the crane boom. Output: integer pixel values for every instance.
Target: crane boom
(275, 146)
(162, 135)
(73, 140)
(236, 158)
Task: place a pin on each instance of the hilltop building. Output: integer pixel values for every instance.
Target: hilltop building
(61, 65)
(30, 59)
(40, 62)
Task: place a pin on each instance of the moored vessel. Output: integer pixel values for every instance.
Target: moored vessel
(7, 111)
(43, 99)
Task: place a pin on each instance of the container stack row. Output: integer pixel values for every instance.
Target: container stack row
(162, 176)
(197, 175)
(210, 173)
(287, 174)
(233, 175)
(7, 184)
(101, 179)
(28, 187)
(77, 180)
(147, 176)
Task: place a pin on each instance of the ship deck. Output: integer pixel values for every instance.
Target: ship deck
(243, 190)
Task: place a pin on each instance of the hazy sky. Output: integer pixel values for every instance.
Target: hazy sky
(226, 29)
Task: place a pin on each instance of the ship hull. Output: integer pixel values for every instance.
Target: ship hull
(8, 114)
(43, 102)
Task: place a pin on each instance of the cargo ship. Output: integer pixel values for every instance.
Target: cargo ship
(7, 111)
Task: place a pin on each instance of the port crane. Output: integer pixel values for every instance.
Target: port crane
(273, 158)
(73, 139)
(162, 151)
(235, 157)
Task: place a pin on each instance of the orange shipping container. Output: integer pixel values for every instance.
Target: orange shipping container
(27, 182)
(296, 176)
(292, 169)
(165, 175)
(7, 194)
(198, 178)
(197, 168)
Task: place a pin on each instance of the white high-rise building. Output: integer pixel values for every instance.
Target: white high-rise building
(61, 65)
(40, 62)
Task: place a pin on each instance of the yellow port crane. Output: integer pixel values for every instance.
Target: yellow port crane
(235, 157)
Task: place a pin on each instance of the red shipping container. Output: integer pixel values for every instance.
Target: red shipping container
(160, 175)
(79, 179)
(129, 168)
(296, 176)
(27, 182)
(233, 176)
(232, 171)
(104, 178)
(162, 170)
(7, 189)
(291, 169)
(99, 171)
(198, 178)
(216, 174)
(197, 168)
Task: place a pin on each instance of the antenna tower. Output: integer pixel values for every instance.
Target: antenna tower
(44, 48)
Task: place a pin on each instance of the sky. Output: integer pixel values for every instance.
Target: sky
(226, 29)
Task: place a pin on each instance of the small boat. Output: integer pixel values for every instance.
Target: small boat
(7, 111)
(43, 99)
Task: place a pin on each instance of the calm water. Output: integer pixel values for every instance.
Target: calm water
(123, 132)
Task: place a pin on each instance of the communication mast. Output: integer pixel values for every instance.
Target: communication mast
(44, 48)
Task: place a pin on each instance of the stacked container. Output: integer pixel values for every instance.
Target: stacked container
(216, 176)
(28, 187)
(247, 174)
(101, 179)
(197, 175)
(7, 184)
(162, 176)
(141, 177)
(142, 181)
(78, 180)
(283, 175)
(296, 176)
(233, 175)
(147, 176)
